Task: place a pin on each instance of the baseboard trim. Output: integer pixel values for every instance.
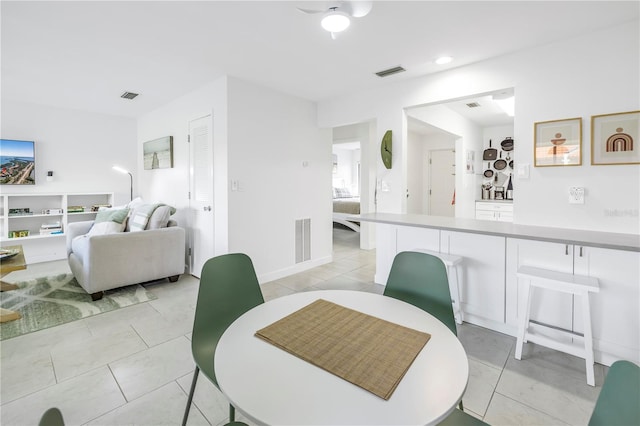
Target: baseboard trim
(294, 269)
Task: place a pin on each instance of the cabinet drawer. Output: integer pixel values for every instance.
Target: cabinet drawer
(494, 207)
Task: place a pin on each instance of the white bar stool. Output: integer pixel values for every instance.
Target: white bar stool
(567, 283)
(452, 263)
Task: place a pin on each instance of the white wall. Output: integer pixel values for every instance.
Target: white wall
(555, 81)
(79, 147)
(171, 186)
(282, 163)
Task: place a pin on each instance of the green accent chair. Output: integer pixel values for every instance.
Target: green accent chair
(228, 288)
(51, 417)
(421, 280)
(460, 418)
(619, 401)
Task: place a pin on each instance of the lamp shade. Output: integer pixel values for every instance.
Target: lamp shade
(120, 169)
(335, 21)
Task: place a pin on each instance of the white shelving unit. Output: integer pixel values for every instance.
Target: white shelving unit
(28, 212)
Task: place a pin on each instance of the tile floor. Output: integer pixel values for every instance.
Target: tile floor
(134, 365)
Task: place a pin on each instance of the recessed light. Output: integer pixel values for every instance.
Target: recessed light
(443, 60)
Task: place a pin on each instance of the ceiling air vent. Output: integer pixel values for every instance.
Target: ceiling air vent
(473, 105)
(390, 71)
(128, 95)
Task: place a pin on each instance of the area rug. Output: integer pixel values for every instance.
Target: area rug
(50, 301)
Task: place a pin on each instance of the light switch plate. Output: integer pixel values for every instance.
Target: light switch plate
(576, 195)
(523, 171)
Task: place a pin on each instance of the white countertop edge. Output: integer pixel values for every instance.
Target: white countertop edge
(609, 240)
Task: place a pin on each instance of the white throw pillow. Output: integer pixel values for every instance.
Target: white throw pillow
(159, 218)
(109, 227)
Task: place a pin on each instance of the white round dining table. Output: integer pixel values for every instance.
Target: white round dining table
(273, 387)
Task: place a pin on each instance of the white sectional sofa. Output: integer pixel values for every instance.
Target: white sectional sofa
(103, 260)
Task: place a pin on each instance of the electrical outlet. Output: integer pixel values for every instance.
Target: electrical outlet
(576, 195)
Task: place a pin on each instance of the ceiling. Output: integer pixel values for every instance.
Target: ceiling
(85, 54)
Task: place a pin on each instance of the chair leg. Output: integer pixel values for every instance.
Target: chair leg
(232, 413)
(193, 388)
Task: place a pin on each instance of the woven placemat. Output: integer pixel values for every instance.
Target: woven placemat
(367, 351)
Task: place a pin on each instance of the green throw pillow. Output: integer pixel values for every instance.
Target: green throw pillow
(110, 215)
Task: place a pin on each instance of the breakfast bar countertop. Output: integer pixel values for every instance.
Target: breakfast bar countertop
(609, 240)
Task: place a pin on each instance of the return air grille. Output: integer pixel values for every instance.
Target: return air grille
(390, 71)
(303, 240)
(128, 95)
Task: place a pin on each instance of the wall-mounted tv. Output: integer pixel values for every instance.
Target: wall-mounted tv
(17, 162)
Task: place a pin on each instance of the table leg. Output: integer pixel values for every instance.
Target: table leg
(6, 315)
(7, 286)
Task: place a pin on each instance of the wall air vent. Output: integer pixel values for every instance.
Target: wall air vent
(128, 95)
(390, 71)
(473, 105)
(303, 240)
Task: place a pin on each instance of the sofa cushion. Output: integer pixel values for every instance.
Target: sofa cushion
(160, 217)
(109, 221)
(111, 215)
(104, 228)
(143, 217)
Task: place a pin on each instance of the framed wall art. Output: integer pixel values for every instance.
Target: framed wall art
(615, 137)
(158, 153)
(558, 143)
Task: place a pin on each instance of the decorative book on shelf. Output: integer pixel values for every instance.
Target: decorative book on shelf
(75, 209)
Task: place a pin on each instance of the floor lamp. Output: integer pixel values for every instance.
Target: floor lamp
(121, 170)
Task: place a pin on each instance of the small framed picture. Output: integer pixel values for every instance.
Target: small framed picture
(158, 153)
(558, 143)
(614, 138)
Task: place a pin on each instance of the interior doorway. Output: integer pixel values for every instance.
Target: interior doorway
(431, 169)
(442, 179)
(353, 170)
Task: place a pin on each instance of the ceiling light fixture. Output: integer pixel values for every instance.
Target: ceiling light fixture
(335, 21)
(443, 60)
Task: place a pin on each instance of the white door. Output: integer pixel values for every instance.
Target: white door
(201, 238)
(442, 182)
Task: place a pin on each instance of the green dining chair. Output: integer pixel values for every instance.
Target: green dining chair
(51, 417)
(421, 280)
(228, 288)
(619, 401)
(460, 418)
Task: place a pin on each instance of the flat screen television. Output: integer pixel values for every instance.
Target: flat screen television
(17, 162)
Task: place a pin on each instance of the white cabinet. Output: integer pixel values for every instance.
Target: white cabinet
(615, 310)
(483, 281)
(501, 212)
(392, 239)
(411, 238)
(27, 217)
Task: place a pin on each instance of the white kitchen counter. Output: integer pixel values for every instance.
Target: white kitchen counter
(628, 242)
(493, 251)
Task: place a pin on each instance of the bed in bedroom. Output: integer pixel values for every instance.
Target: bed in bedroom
(344, 206)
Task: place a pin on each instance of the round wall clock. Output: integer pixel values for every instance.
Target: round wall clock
(386, 149)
